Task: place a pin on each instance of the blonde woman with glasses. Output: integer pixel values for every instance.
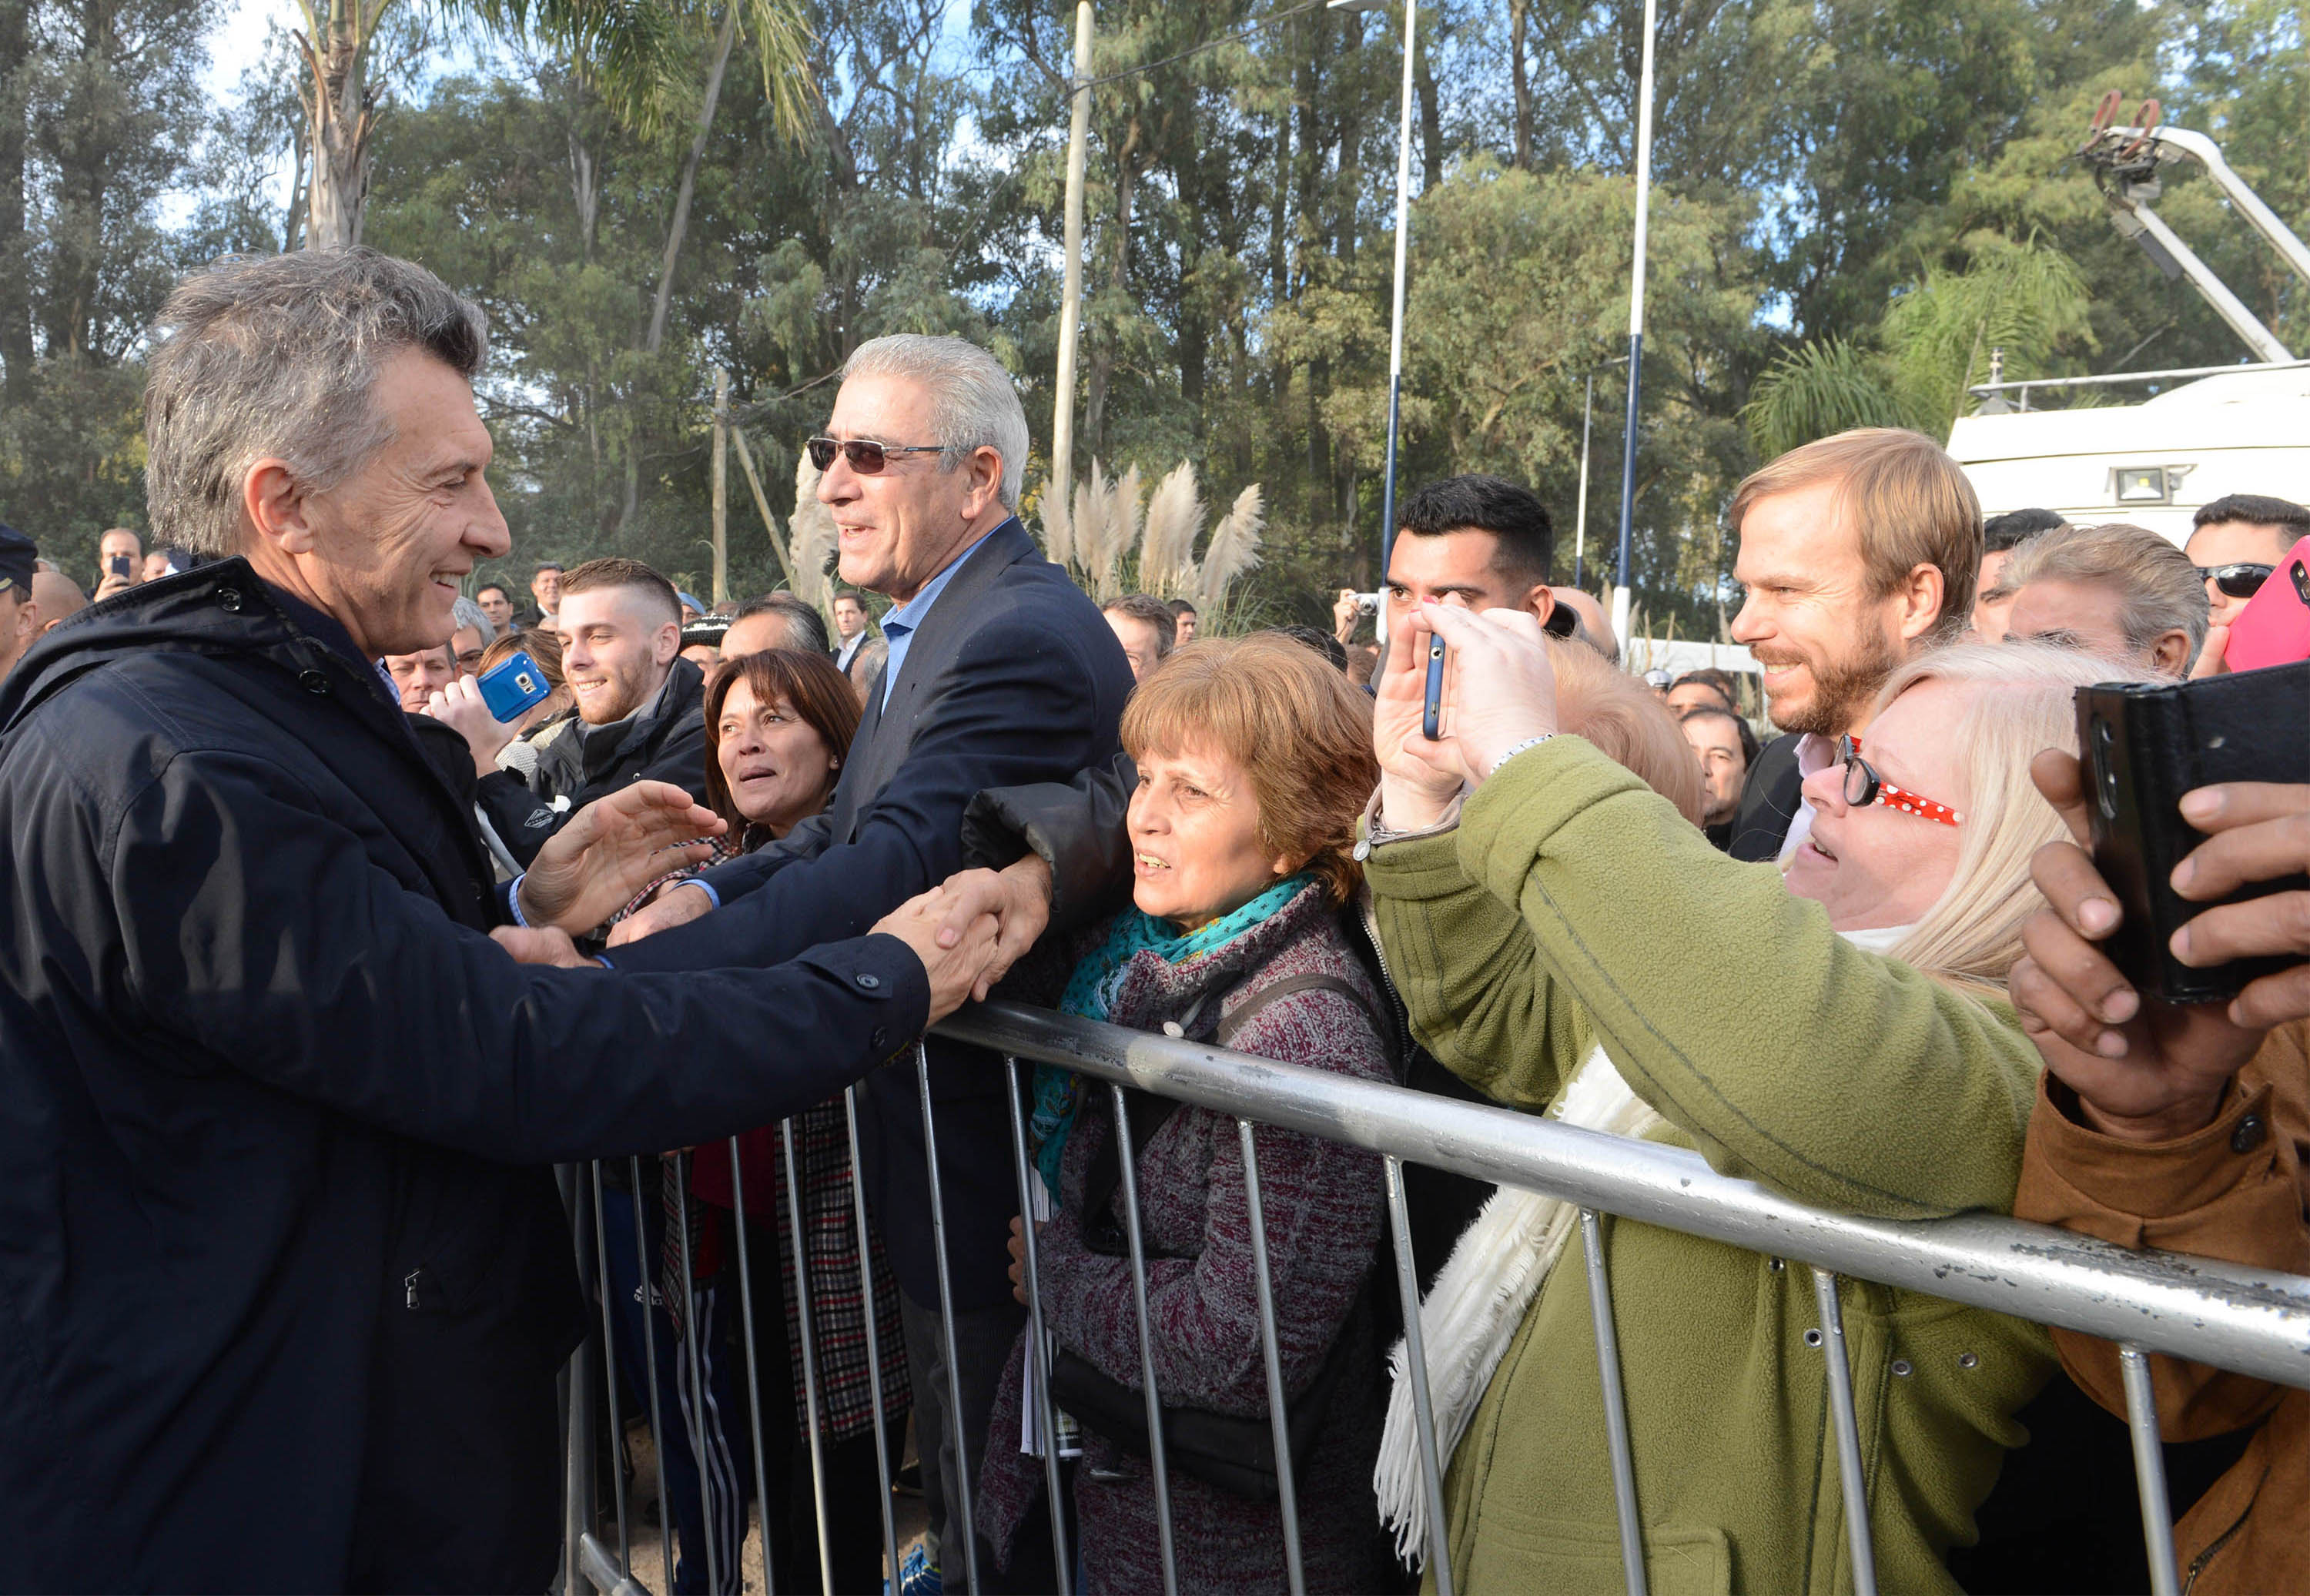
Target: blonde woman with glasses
(1566, 942)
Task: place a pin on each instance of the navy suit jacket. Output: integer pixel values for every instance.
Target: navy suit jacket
(1014, 677)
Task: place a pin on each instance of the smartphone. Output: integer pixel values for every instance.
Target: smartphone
(2146, 746)
(1431, 712)
(118, 565)
(513, 686)
(2275, 626)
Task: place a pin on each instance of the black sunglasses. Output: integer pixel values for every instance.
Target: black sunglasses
(2237, 581)
(866, 456)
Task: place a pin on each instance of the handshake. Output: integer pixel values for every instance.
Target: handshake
(967, 932)
(971, 929)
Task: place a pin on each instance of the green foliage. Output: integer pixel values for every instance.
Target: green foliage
(2026, 299)
(1817, 389)
(1856, 200)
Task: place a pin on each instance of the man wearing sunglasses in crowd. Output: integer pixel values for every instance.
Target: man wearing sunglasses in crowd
(1000, 672)
(2235, 542)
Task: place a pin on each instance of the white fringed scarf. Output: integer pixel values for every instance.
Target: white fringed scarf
(1495, 1274)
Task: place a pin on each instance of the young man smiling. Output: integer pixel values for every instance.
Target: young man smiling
(640, 707)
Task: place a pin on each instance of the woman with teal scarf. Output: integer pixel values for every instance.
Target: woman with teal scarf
(1255, 762)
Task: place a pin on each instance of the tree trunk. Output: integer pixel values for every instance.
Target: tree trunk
(585, 190)
(82, 187)
(1102, 359)
(1431, 117)
(679, 226)
(1519, 22)
(341, 111)
(292, 220)
(16, 299)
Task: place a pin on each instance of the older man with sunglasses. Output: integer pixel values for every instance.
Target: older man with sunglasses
(1000, 672)
(2235, 542)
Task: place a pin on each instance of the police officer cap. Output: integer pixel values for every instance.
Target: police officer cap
(18, 554)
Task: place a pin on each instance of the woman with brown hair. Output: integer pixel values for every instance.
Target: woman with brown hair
(1254, 760)
(778, 724)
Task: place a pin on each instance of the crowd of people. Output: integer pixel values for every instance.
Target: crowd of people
(316, 960)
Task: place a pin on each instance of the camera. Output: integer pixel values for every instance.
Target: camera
(2143, 748)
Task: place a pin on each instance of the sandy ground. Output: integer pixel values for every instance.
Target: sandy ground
(648, 1544)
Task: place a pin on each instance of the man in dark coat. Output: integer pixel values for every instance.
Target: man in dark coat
(1000, 671)
(286, 1281)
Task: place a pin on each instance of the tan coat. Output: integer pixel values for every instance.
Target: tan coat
(2238, 1190)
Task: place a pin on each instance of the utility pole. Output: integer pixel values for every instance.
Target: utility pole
(1636, 323)
(1580, 521)
(1402, 243)
(721, 486)
(1063, 401)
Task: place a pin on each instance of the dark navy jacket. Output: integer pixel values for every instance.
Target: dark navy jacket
(1015, 677)
(284, 1276)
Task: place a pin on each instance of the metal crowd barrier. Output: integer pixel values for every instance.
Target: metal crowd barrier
(2252, 1322)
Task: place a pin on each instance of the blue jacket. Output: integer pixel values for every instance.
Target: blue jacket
(1014, 677)
(283, 1277)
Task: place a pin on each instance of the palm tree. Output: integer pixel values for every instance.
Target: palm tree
(632, 52)
(2026, 298)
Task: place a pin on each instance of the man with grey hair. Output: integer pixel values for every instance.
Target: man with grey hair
(2121, 592)
(1145, 626)
(281, 1233)
(1000, 672)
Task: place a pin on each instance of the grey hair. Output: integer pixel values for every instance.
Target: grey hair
(278, 355)
(2159, 590)
(974, 402)
(1154, 612)
(466, 616)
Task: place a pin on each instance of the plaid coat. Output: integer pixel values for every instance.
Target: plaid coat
(830, 1230)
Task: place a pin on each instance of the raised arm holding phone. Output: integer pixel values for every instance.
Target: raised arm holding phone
(2184, 1127)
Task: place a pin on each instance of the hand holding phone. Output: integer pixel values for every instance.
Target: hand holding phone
(2144, 748)
(1431, 708)
(513, 686)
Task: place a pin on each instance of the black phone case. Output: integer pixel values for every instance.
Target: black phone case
(2144, 748)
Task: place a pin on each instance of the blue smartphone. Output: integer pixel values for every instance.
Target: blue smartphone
(513, 686)
(1431, 712)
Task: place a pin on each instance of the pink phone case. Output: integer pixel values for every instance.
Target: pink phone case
(2275, 626)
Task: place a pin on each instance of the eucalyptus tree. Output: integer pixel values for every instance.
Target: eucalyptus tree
(636, 54)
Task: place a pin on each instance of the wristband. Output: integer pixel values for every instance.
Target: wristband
(1517, 749)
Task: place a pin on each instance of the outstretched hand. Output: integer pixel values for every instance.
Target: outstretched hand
(611, 849)
(541, 944)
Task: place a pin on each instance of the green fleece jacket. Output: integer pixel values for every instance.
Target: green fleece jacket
(1573, 904)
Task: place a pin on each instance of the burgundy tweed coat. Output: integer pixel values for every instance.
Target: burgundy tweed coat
(1324, 1206)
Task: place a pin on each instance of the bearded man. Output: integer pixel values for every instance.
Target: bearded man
(1856, 551)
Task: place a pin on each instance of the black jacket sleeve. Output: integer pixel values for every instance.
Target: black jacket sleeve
(1018, 706)
(521, 819)
(747, 872)
(1078, 827)
(255, 931)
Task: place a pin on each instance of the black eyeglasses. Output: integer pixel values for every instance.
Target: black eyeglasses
(866, 456)
(1863, 786)
(2237, 581)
